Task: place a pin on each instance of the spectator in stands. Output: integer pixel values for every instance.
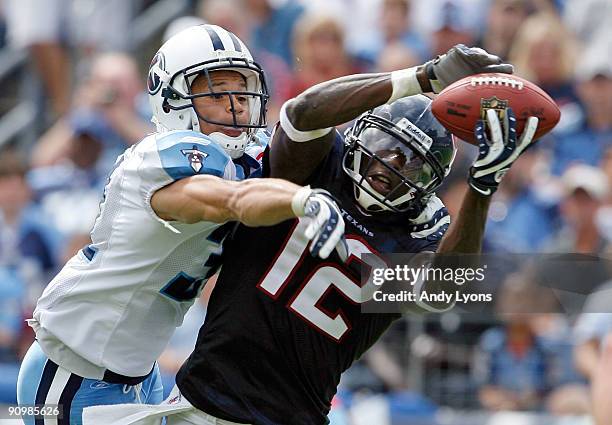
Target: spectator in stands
(112, 93)
(2, 29)
(602, 385)
(585, 188)
(592, 137)
(510, 365)
(593, 350)
(13, 301)
(272, 27)
(452, 26)
(394, 28)
(591, 328)
(49, 28)
(503, 20)
(569, 393)
(588, 19)
(606, 165)
(319, 47)
(524, 213)
(396, 56)
(13, 305)
(544, 52)
(27, 241)
(360, 19)
(524, 364)
(179, 24)
(70, 189)
(115, 90)
(28, 247)
(227, 14)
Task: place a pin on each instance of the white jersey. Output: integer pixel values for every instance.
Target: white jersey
(115, 304)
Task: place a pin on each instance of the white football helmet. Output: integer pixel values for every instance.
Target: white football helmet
(199, 50)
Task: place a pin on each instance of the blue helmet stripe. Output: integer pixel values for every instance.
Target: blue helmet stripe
(214, 37)
(237, 46)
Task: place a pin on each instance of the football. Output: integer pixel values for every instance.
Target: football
(459, 106)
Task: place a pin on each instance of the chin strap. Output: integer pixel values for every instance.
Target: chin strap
(233, 146)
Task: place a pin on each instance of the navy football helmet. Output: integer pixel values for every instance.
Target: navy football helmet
(397, 155)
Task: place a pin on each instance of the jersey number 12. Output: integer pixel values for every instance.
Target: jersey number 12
(319, 282)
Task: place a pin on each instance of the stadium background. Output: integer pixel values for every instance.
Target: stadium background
(72, 76)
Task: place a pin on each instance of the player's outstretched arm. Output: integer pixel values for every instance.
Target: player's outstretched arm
(466, 232)
(311, 116)
(253, 202)
(495, 158)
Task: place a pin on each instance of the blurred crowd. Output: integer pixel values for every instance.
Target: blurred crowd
(557, 197)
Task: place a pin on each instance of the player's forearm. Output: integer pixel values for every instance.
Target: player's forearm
(262, 202)
(464, 236)
(466, 231)
(255, 202)
(343, 99)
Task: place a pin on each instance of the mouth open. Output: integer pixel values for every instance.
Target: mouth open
(380, 183)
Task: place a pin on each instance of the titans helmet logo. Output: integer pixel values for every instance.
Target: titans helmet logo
(195, 157)
(154, 83)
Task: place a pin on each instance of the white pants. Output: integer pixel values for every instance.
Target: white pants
(176, 409)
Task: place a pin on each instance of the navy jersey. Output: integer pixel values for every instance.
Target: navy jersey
(282, 326)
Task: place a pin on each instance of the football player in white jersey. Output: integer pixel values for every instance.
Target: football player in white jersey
(105, 318)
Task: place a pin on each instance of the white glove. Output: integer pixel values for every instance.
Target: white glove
(326, 227)
(497, 155)
(459, 62)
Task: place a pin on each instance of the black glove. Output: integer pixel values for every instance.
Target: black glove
(460, 62)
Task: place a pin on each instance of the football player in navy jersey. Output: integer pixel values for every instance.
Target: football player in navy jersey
(104, 319)
(281, 325)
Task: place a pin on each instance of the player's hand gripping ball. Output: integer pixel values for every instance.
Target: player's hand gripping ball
(459, 62)
(461, 105)
(497, 153)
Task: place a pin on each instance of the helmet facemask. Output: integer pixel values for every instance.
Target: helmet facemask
(255, 95)
(390, 164)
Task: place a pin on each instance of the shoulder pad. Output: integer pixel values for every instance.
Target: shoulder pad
(262, 138)
(187, 153)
